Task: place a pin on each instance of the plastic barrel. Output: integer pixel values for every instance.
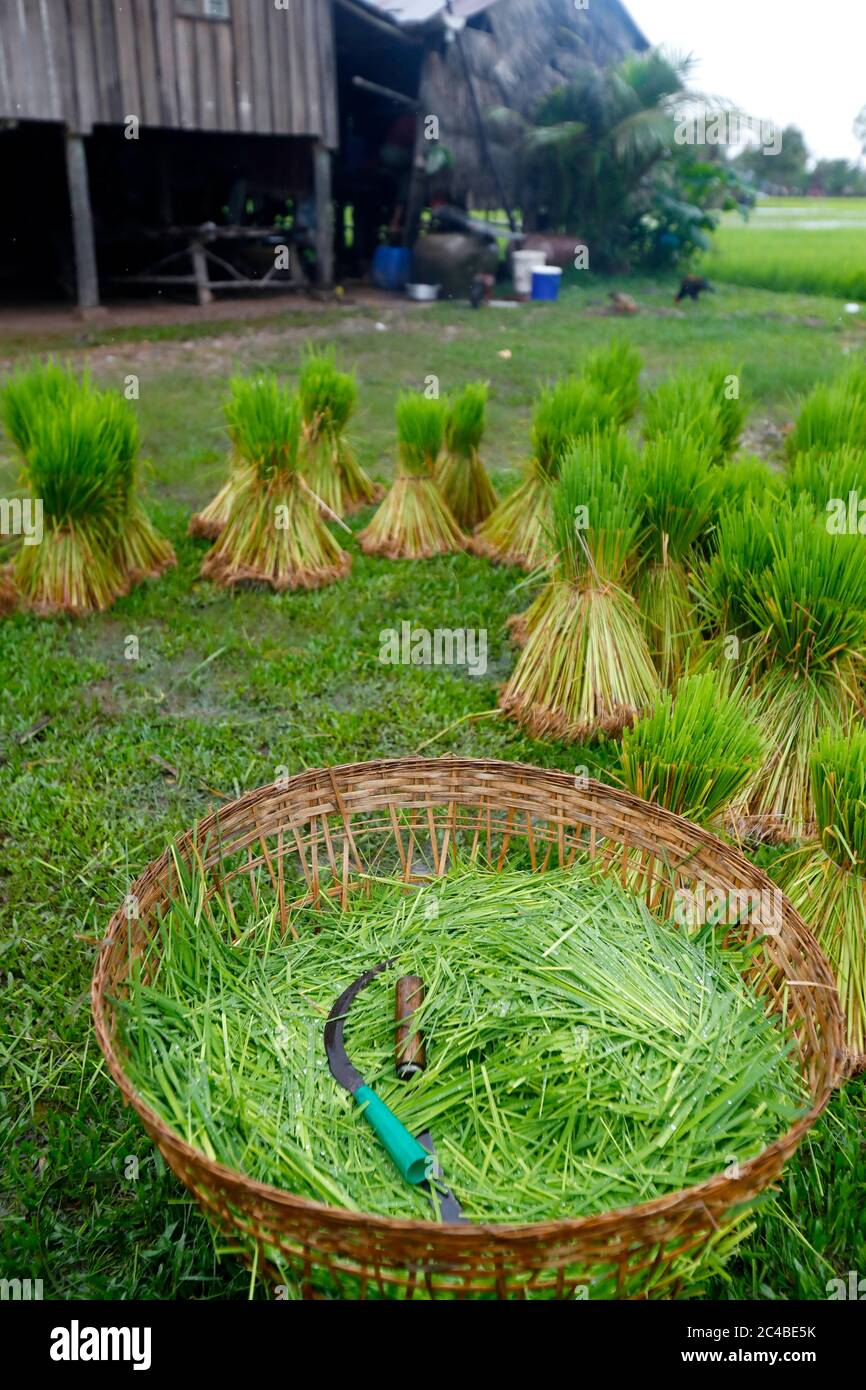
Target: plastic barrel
(392, 267)
(523, 263)
(546, 280)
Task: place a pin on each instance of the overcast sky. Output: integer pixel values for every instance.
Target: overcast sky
(796, 62)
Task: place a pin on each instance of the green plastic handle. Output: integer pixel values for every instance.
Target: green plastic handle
(412, 1161)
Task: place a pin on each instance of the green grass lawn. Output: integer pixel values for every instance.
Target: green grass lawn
(104, 759)
(806, 245)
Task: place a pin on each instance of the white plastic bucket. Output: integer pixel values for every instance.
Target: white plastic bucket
(522, 265)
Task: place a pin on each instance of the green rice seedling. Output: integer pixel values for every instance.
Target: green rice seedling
(793, 598)
(733, 407)
(414, 521)
(275, 534)
(616, 371)
(613, 454)
(141, 552)
(695, 754)
(826, 879)
(328, 461)
(832, 416)
(462, 477)
(581, 1055)
(688, 403)
(673, 483)
(76, 468)
(517, 532)
(835, 482)
(30, 393)
(741, 480)
(586, 668)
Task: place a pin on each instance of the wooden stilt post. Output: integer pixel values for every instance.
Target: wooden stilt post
(324, 216)
(84, 242)
(204, 293)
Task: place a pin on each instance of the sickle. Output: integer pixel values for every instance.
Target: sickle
(415, 1160)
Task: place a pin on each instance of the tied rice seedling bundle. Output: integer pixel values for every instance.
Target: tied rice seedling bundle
(832, 416)
(580, 1055)
(835, 482)
(275, 534)
(8, 591)
(328, 460)
(209, 523)
(673, 483)
(517, 532)
(616, 371)
(695, 754)
(462, 477)
(701, 404)
(141, 552)
(77, 469)
(33, 392)
(826, 880)
(414, 521)
(586, 668)
(735, 484)
(611, 453)
(794, 597)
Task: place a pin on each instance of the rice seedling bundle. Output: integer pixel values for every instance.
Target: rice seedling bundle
(831, 416)
(616, 371)
(794, 597)
(76, 468)
(581, 1056)
(414, 521)
(141, 552)
(328, 461)
(673, 482)
(517, 532)
(34, 391)
(462, 477)
(586, 668)
(275, 534)
(741, 480)
(826, 880)
(703, 405)
(835, 483)
(611, 453)
(209, 523)
(695, 754)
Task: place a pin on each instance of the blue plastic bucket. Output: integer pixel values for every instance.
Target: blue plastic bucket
(546, 280)
(392, 267)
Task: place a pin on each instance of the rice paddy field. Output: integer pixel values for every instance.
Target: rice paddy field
(119, 730)
(805, 245)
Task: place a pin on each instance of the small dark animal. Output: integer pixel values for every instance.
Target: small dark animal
(481, 289)
(692, 287)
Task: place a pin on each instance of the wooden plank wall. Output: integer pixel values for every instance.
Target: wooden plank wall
(267, 71)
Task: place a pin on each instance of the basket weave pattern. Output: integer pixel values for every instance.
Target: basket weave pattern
(315, 835)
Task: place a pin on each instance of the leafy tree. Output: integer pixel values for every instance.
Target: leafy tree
(785, 170)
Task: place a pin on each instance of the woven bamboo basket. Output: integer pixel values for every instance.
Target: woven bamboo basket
(313, 836)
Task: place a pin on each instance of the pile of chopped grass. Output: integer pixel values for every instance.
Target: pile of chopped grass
(328, 461)
(697, 754)
(517, 532)
(275, 534)
(462, 476)
(826, 880)
(586, 668)
(414, 522)
(581, 1056)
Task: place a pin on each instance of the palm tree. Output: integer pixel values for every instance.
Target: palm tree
(593, 141)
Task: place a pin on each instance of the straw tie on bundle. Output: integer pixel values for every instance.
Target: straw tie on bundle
(414, 522)
(328, 462)
(275, 534)
(586, 668)
(462, 476)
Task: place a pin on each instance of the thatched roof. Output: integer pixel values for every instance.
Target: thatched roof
(526, 48)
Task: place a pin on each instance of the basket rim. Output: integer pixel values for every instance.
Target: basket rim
(463, 1236)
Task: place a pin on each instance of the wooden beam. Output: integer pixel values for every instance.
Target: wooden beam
(324, 215)
(201, 274)
(86, 274)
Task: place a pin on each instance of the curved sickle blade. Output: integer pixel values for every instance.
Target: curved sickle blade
(341, 1068)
